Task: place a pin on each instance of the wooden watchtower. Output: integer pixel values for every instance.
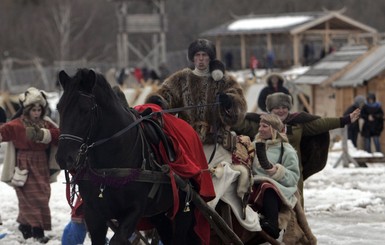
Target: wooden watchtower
(141, 38)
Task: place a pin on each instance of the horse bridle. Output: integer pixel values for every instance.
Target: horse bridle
(84, 142)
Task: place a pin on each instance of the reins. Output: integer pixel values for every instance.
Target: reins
(84, 147)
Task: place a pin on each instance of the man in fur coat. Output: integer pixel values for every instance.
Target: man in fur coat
(199, 89)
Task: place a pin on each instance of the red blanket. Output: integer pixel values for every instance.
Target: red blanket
(190, 163)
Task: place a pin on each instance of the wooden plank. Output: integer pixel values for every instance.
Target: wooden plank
(362, 161)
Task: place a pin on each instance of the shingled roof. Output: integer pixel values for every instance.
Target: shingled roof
(336, 62)
(367, 68)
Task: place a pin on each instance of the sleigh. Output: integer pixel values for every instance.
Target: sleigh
(110, 151)
(226, 230)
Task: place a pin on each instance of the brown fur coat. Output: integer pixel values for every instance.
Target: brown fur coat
(184, 88)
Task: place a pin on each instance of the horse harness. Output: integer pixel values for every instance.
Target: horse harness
(150, 132)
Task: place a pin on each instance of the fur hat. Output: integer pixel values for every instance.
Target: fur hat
(276, 124)
(217, 69)
(33, 96)
(201, 45)
(280, 77)
(371, 96)
(359, 100)
(278, 99)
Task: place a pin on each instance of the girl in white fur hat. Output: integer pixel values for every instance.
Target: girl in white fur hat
(31, 135)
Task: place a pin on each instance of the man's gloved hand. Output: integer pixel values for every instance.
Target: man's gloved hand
(34, 133)
(225, 100)
(156, 100)
(260, 150)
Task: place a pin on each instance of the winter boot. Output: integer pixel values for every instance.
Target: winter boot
(38, 234)
(26, 230)
(270, 228)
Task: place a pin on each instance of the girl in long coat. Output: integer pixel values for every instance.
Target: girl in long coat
(275, 173)
(32, 136)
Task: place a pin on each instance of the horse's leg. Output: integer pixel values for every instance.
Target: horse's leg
(164, 228)
(127, 225)
(97, 228)
(184, 224)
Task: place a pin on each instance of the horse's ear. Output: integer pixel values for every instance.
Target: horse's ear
(88, 83)
(63, 78)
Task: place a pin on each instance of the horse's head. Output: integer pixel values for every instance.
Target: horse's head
(87, 109)
(77, 111)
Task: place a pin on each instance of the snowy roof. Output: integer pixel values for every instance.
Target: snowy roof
(278, 22)
(331, 65)
(287, 23)
(366, 69)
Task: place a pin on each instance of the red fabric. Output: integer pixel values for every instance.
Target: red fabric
(190, 162)
(15, 131)
(256, 196)
(138, 74)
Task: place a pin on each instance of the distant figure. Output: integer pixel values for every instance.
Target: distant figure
(325, 52)
(373, 116)
(3, 115)
(270, 60)
(138, 75)
(123, 75)
(308, 53)
(274, 82)
(253, 65)
(229, 60)
(354, 128)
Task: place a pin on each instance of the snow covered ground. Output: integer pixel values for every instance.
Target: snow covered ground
(343, 206)
(347, 205)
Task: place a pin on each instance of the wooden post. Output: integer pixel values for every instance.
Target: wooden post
(345, 157)
(243, 52)
(296, 50)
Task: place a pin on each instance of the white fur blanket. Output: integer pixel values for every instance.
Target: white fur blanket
(225, 185)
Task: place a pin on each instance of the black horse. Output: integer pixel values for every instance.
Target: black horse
(103, 146)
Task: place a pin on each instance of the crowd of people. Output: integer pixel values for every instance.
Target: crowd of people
(283, 148)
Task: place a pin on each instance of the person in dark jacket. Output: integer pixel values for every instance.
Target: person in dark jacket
(354, 128)
(274, 83)
(373, 116)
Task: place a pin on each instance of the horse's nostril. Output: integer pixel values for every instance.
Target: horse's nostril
(65, 161)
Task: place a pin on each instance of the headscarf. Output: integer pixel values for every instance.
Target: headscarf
(276, 126)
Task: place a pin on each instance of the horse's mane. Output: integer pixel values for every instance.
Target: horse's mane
(102, 90)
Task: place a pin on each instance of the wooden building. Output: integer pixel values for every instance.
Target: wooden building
(334, 82)
(287, 36)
